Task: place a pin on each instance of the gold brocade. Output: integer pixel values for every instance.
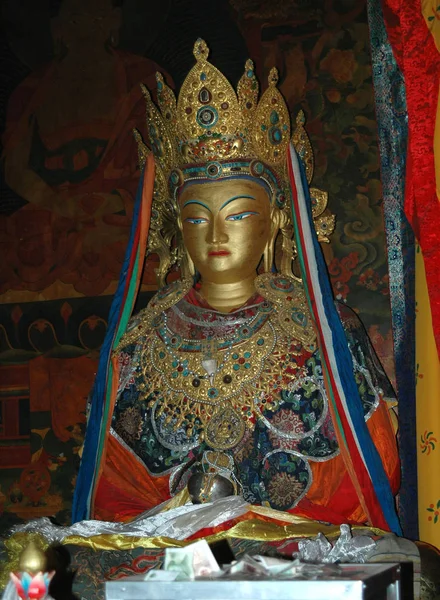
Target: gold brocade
(283, 526)
(251, 529)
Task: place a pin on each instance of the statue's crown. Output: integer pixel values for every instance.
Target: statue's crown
(213, 131)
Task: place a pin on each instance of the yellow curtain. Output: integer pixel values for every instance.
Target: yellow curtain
(428, 413)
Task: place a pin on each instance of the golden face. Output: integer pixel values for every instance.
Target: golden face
(226, 226)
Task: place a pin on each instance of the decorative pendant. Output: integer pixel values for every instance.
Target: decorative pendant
(225, 429)
(210, 366)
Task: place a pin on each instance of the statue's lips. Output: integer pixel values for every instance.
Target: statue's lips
(219, 253)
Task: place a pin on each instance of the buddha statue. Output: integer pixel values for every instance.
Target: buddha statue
(242, 376)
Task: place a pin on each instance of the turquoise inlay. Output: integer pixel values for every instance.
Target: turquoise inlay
(260, 342)
(161, 354)
(196, 202)
(247, 354)
(174, 374)
(175, 363)
(274, 118)
(236, 367)
(236, 198)
(235, 356)
(247, 365)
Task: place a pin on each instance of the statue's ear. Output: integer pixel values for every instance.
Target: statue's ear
(269, 250)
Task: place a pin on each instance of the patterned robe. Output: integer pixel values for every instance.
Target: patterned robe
(262, 419)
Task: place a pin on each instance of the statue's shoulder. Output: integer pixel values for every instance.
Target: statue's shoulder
(140, 324)
(290, 303)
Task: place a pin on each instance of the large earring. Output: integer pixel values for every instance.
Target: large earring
(187, 268)
(288, 250)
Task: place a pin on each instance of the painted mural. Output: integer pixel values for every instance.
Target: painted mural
(68, 153)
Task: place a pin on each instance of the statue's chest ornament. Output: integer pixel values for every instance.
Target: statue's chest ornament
(213, 382)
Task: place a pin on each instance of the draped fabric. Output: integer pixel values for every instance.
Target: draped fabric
(391, 114)
(361, 458)
(428, 414)
(413, 31)
(409, 31)
(104, 390)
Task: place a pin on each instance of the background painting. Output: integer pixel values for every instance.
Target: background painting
(69, 100)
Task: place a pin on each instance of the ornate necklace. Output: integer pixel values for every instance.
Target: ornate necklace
(211, 345)
(180, 374)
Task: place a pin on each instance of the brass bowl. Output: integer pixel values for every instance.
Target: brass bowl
(207, 487)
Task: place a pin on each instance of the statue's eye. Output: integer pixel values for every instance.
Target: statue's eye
(196, 221)
(241, 216)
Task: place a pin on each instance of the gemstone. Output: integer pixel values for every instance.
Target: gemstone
(274, 118)
(227, 379)
(225, 105)
(202, 76)
(248, 105)
(196, 382)
(205, 96)
(207, 116)
(188, 110)
(260, 342)
(250, 73)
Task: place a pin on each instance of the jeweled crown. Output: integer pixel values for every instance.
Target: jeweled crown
(211, 123)
(212, 132)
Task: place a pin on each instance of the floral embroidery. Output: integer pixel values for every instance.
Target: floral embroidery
(435, 512)
(126, 378)
(284, 489)
(427, 442)
(287, 421)
(129, 425)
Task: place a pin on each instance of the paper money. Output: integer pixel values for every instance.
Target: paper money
(195, 560)
(181, 561)
(204, 562)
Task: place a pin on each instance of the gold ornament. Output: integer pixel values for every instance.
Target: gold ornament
(32, 560)
(212, 132)
(216, 390)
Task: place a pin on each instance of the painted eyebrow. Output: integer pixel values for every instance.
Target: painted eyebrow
(196, 202)
(236, 198)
